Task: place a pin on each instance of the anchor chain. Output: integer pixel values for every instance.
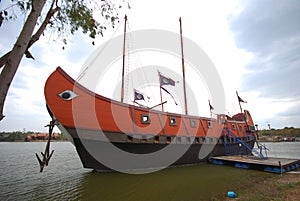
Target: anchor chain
(47, 155)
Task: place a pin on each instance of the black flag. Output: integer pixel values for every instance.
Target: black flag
(210, 106)
(241, 100)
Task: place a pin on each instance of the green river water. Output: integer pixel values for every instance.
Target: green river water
(66, 179)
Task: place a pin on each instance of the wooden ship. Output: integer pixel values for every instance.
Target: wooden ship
(83, 115)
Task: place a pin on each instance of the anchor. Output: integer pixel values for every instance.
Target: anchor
(46, 156)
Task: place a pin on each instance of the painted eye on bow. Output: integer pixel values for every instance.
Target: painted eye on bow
(67, 95)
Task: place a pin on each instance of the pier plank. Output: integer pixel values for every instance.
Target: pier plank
(270, 164)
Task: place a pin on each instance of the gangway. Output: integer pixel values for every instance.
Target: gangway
(254, 151)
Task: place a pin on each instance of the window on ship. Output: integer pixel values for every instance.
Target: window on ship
(193, 123)
(173, 121)
(145, 118)
(129, 138)
(209, 125)
(188, 139)
(156, 139)
(233, 126)
(169, 139)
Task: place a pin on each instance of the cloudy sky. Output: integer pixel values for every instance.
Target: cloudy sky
(254, 45)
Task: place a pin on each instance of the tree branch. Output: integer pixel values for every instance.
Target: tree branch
(3, 59)
(42, 28)
(15, 56)
(36, 36)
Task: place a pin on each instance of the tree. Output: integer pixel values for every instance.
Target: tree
(63, 17)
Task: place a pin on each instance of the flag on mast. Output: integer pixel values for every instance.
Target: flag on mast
(138, 95)
(210, 106)
(241, 100)
(163, 80)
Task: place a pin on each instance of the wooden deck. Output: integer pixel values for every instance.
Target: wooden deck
(276, 165)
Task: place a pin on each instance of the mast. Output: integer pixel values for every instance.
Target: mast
(161, 100)
(183, 70)
(123, 66)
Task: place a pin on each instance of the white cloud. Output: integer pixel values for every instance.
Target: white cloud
(271, 33)
(204, 22)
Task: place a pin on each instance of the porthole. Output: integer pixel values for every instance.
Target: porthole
(193, 123)
(144, 139)
(178, 139)
(209, 125)
(202, 139)
(215, 140)
(156, 139)
(173, 121)
(169, 139)
(129, 138)
(145, 118)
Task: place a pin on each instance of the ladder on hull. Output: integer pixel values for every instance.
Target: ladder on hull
(252, 150)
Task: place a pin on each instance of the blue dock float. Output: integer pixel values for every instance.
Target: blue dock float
(274, 165)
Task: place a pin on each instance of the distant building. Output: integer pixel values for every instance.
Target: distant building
(41, 136)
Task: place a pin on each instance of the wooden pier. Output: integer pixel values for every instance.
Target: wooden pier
(275, 165)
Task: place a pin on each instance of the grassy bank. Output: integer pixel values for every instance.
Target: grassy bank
(284, 187)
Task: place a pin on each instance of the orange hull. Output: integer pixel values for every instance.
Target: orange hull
(76, 107)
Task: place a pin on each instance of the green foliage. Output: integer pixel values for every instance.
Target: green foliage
(70, 16)
(284, 132)
(12, 136)
(21, 136)
(81, 17)
(15, 136)
(289, 127)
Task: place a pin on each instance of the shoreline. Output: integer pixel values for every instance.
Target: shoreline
(277, 187)
(280, 187)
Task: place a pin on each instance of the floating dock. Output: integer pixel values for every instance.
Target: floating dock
(275, 165)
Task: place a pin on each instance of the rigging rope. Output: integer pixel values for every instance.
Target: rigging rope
(140, 74)
(83, 73)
